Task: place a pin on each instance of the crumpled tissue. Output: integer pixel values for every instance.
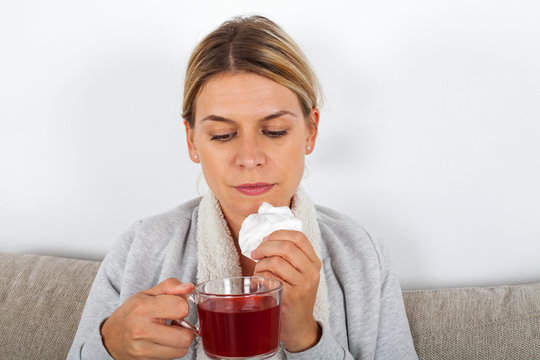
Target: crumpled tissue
(268, 219)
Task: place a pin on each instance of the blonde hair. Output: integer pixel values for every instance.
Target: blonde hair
(252, 44)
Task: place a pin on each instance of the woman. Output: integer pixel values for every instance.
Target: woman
(250, 111)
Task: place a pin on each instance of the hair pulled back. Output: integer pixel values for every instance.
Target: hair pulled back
(252, 44)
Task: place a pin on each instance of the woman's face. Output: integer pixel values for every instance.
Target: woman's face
(250, 137)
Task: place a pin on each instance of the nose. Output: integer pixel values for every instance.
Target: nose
(250, 154)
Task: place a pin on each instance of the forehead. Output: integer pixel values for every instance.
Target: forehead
(244, 95)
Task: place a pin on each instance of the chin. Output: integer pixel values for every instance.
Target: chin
(247, 205)
(251, 205)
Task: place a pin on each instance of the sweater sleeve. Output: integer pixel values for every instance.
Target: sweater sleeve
(326, 348)
(388, 332)
(103, 299)
(394, 340)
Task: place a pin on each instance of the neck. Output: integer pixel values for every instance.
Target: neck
(246, 264)
(234, 224)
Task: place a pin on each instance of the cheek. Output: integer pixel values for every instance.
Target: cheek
(212, 162)
(290, 158)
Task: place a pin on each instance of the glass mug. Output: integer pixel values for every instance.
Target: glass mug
(239, 317)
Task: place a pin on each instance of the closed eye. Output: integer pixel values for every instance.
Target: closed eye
(275, 134)
(224, 137)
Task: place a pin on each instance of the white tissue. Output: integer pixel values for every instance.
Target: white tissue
(269, 219)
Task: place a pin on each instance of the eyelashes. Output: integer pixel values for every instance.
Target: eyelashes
(224, 137)
(275, 134)
(230, 136)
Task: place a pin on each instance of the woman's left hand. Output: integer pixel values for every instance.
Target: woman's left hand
(289, 257)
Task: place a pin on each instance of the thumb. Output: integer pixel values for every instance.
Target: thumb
(171, 286)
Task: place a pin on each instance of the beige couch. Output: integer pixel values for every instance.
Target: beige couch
(42, 297)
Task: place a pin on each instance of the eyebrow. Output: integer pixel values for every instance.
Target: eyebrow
(266, 118)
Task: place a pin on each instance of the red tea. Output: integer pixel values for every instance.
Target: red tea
(239, 327)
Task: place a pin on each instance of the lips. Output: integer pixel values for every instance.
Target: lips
(254, 189)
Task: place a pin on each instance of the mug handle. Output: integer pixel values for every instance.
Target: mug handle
(187, 324)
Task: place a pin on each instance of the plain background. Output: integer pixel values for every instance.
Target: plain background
(429, 133)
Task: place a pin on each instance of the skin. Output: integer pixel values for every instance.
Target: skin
(249, 154)
(136, 330)
(235, 145)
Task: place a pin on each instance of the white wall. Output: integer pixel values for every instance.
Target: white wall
(428, 136)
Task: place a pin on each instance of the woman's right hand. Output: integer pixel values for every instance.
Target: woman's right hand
(138, 328)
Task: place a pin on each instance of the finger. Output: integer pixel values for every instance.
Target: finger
(151, 350)
(270, 275)
(171, 307)
(299, 239)
(168, 335)
(171, 286)
(285, 249)
(281, 268)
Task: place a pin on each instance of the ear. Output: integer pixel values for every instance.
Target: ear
(193, 155)
(313, 126)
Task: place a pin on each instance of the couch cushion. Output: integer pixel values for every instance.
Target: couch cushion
(41, 301)
(489, 323)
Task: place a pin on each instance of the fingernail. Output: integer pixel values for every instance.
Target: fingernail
(265, 238)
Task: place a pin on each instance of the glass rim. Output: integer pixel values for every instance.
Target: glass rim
(278, 288)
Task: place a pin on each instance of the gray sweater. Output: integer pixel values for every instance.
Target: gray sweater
(367, 315)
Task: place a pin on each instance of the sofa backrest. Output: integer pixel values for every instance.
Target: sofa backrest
(42, 298)
(486, 323)
(41, 301)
